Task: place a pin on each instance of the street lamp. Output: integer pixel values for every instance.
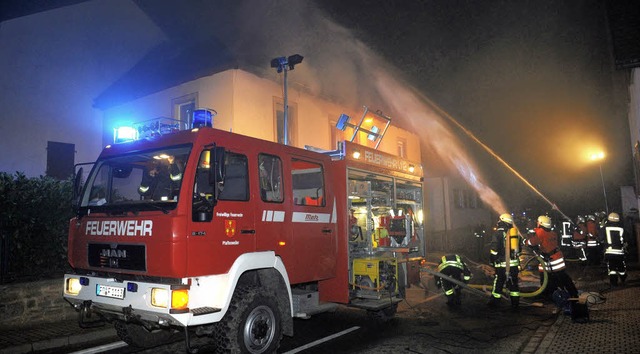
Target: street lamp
(285, 64)
(599, 156)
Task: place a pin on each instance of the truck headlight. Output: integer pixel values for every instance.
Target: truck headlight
(178, 298)
(73, 286)
(160, 297)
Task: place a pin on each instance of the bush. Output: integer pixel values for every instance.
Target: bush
(34, 225)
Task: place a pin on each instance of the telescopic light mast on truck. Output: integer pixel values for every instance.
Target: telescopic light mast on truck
(209, 234)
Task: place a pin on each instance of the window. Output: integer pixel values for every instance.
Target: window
(137, 180)
(278, 116)
(184, 106)
(270, 169)
(236, 181)
(60, 158)
(307, 183)
(465, 199)
(402, 147)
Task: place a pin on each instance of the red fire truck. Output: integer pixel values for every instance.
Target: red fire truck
(210, 234)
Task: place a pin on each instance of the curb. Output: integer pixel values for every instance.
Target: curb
(61, 342)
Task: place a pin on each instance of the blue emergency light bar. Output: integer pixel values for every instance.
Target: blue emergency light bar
(124, 134)
(203, 118)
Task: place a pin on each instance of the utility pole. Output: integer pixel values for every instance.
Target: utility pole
(285, 64)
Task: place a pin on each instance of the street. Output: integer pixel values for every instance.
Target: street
(423, 324)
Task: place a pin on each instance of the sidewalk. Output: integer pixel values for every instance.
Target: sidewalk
(51, 337)
(614, 318)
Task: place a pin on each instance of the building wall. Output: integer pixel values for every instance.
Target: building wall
(245, 105)
(449, 227)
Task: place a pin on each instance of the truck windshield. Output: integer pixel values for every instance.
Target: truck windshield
(144, 180)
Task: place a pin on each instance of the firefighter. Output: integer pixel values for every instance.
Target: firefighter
(593, 246)
(161, 181)
(579, 238)
(504, 256)
(612, 236)
(545, 241)
(453, 266)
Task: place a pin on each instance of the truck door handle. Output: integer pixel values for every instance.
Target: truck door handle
(327, 231)
(247, 231)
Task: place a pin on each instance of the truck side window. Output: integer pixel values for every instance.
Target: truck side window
(202, 188)
(307, 182)
(270, 170)
(236, 180)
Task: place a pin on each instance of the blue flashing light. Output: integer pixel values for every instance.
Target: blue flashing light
(203, 118)
(124, 134)
(132, 287)
(84, 281)
(343, 122)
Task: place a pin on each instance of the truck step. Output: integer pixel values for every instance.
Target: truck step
(204, 310)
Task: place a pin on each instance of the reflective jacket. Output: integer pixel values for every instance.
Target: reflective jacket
(580, 232)
(547, 242)
(592, 234)
(452, 265)
(498, 246)
(612, 236)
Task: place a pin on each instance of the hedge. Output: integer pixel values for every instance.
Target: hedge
(34, 223)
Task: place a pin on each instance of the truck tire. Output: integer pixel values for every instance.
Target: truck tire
(137, 336)
(251, 325)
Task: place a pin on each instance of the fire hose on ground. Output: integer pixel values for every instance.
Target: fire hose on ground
(481, 289)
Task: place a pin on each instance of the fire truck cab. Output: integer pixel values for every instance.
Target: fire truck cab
(207, 233)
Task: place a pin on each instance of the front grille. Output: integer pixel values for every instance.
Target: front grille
(117, 256)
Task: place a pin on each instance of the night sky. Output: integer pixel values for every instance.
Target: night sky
(533, 80)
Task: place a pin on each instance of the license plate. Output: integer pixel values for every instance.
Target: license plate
(110, 291)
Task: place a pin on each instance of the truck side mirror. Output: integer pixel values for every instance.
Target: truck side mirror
(77, 188)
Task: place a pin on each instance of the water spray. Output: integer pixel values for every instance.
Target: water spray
(494, 154)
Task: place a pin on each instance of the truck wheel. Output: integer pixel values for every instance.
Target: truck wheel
(251, 325)
(137, 336)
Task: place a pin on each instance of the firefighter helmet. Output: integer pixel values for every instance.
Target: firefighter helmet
(579, 220)
(506, 218)
(544, 221)
(613, 217)
(591, 217)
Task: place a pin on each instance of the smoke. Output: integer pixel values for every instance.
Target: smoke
(432, 130)
(339, 66)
